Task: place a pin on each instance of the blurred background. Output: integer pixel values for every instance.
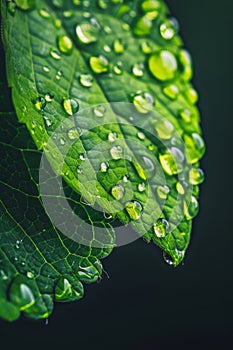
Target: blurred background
(146, 304)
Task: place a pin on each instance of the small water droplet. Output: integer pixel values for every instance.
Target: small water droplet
(180, 188)
(48, 122)
(62, 141)
(172, 162)
(57, 23)
(164, 129)
(44, 13)
(59, 74)
(191, 95)
(143, 102)
(104, 167)
(125, 178)
(138, 69)
(30, 274)
(161, 228)
(118, 68)
(195, 147)
(171, 91)
(67, 14)
(143, 26)
(107, 48)
(82, 157)
(46, 69)
(99, 64)
(55, 54)
(49, 97)
(103, 4)
(168, 259)
(99, 111)
(141, 135)
(186, 115)
(134, 209)
(87, 33)
(126, 27)
(73, 133)
(112, 136)
(116, 152)
(163, 191)
(118, 46)
(65, 44)
(196, 176)
(141, 187)
(107, 30)
(150, 5)
(163, 65)
(186, 62)
(118, 192)
(40, 103)
(86, 80)
(169, 28)
(71, 106)
(146, 48)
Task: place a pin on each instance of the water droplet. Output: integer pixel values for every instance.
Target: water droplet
(57, 23)
(104, 167)
(65, 44)
(55, 54)
(107, 48)
(141, 135)
(148, 167)
(143, 26)
(116, 152)
(87, 33)
(62, 141)
(49, 96)
(71, 106)
(46, 69)
(118, 192)
(79, 170)
(82, 157)
(68, 290)
(67, 14)
(172, 162)
(196, 176)
(186, 115)
(138, 69)
(146, 48)
(186, 62)
(125, 178)
(191, 209)
(169, 28)
(118, 46)
(112, 136)
(86, 80)
(107, 30)
(73, 134)
(191, 95)
(150, 5)
(141, 187)
(161, 228)
(103, 4)
(44, 13)
(143, 102)
(47, 121)
(163, 65)
(30, 274)
(163, 191)
(59, 74)
(134, 210)
(168, 259)
(99, 111)
(99, 64)
(58, 3)
(180, 188)
(171, 91)
(164, 129)
(195, 147)
(3, 275)
(40, 103)
(118, 68)
(126, 27)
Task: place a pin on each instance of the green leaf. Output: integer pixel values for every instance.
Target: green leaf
(104, 89)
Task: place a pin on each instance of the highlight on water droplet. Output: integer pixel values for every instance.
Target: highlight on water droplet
(44, 13)
(55, 54)
(112, 136)
(86, 80)
(65, 44)
(169, 28)
(71, 106)
(87, 33)
(163, 65)
(134, 209)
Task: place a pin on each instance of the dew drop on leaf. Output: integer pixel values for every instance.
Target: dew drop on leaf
(186, 115)
(163, 65)
(163, 191)
(164, 129)
(73, 133)
(180, 188)
(116, 152)
(169, 28)
(168, 259)
(49, 97)
(86, 80)
(87, 33)
(46, 69)
(65, 44)
(191, 209)
(143, 102)
(138, 69)
(134, 209)
(196, 176)
(118, 192)
(99, 64)
(195, 147)
(44, 13)
(141, 187)
(161, 228)
(118, 46)
(104, 167)
(99, 111)
(55, 54)
(112, 137)
(171, 91)
(40, 103)
(191, 95)
(71, 106)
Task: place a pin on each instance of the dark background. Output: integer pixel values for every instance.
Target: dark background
(146, 304)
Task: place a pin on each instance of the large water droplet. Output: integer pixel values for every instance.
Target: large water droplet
(161, 228)
(87, 33)
(134, 209)
(116, 152)
(65, 44)
(195, 147)
(143, 26)
(99, 64)
(164, 129)
(172, 162)
(196, 176)
(118, 192)
(186, 62)
(191, 209)
(143, 102)
(70, 105)
(163, 65)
